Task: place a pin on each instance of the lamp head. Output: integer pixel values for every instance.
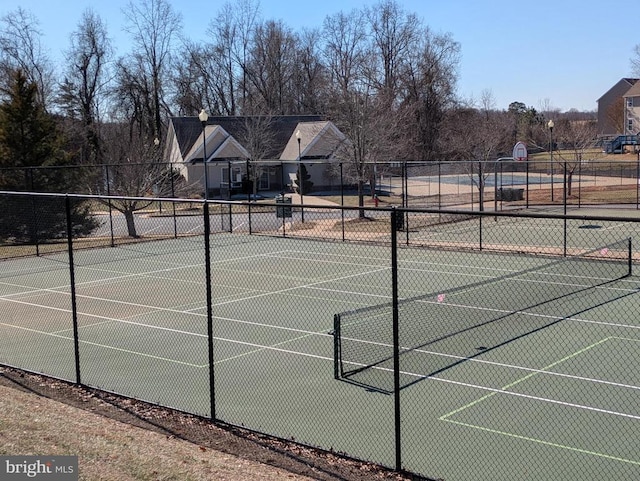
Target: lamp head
(203, 116)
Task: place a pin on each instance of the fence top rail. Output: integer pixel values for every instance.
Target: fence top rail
(388, 209)
(585, 160)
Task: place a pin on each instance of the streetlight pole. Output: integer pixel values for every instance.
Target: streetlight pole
(551, 125)
(300, 180)
(203, 116)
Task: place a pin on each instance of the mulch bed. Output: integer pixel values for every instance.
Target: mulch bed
(293, 457)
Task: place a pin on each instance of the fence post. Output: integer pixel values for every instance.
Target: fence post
(342, 201)
(638, 182)
(72, 287)
(336, 346)
(396, 340)
(173, 203)
(34, 212)
(110, 207)
(207, 268)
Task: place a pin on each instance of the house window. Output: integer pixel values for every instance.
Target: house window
(264, 181)
(236, 176)
(630, 125)
(629, 102)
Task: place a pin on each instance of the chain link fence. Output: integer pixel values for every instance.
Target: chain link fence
(477, 185)
(452, 344)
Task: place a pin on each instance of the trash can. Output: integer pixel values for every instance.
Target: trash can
(509, 194)
(505, 194)
(283, 206)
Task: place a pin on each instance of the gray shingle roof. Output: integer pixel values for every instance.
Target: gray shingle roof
(188, 130)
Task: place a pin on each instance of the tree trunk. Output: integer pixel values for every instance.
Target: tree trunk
(361, 199)
(372, 183)
(131, 224)
(569, 181)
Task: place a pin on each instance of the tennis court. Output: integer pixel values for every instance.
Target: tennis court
(557, 399)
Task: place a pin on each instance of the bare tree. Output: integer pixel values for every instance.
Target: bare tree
(480, 135)
(635, 61)
(133, 171)
(190, 82)
(247, 18)
(351, 105)
(222, 72)
(310, 82)
(344, 50)
(575, 138)
(393, 35)
(257, 137)
(373, 137)
(214, 75)
(615, 114)
(210, 75)
(84, 88)
(21, 49)
(271, 69)
(143, 77)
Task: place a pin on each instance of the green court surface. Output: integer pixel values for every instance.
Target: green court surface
(561, 401)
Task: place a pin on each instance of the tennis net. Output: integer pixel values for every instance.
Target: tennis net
(439, 330)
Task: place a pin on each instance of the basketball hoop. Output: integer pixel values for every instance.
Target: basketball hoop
(520, 152)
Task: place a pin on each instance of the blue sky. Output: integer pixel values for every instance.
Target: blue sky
(562, 53)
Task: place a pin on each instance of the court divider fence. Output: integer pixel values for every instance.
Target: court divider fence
(81, 284)
(498, 184)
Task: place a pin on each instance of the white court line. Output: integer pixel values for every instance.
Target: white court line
(503, 390)
(258, 347)
(33, 292)
(190, 312)
(493, 391)
(154, 309)
(529, 369)
(504, 365)
(90, 343)
(304, 286)
(121, 275)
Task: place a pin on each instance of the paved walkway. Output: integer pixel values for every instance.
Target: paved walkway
(309, 200)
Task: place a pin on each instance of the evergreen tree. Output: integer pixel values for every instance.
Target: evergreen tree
(303, 180)
(32, 159)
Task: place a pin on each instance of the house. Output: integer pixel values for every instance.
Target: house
(611, 108)
(253, 154)
(632, 110)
